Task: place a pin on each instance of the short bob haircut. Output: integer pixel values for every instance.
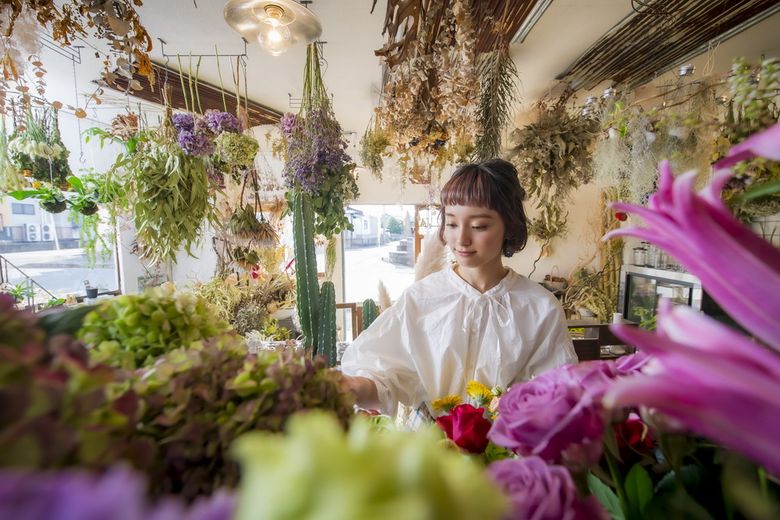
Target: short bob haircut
(490, 184)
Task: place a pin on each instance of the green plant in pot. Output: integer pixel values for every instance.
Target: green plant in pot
(85, 201)
(49, 196)
(18, 292)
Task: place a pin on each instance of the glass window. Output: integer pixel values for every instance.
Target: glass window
(382, 247)
(22, 209)
(49, 249)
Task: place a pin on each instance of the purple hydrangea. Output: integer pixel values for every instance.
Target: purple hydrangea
(183, 122)
(118, 493)
(219, 122)
(195, 143)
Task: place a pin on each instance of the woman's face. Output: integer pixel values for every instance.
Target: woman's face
(475, 235)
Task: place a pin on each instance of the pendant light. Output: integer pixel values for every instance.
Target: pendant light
(276, 25)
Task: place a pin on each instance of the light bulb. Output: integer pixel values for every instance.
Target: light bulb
(275, 40)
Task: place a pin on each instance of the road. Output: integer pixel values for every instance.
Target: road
(61, 272)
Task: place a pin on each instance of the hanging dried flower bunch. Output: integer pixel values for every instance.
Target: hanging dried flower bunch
(114, 21)
(317, 163)
(431, 97)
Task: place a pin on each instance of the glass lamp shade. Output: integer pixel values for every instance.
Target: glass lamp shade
(275, 24)
(275, 40)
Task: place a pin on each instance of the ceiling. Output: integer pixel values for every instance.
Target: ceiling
(352, 72)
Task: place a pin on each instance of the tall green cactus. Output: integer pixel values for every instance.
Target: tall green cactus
(370, 312)
(326, 341)
(308, 294)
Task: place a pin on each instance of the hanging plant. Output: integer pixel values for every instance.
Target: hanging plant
(86, 200)
(553, 155)
(245, 257)
(115, 21)
(497, 78)
(430, 100)
(49, 197)
(374, 148)
(235, 153)
(550, 223)
(10, 176)
(171, 195)
(752, 108)
(36, 148)
(317, 161)
(244, 224)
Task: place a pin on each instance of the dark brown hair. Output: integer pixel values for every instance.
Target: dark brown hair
(490, 184)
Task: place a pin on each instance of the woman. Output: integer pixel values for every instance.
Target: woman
(478, 320)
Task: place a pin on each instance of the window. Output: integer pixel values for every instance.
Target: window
(48, 249)
(22, 209)
(381, 248)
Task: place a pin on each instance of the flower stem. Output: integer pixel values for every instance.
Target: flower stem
(616, 478)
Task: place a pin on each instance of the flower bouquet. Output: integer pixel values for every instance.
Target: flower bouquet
(687, 427)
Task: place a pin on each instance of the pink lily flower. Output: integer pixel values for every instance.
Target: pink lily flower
(739, 269)
(710, 379)
(762, 144)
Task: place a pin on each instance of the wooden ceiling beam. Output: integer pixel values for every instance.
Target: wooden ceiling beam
(643, 45)
(210, 95)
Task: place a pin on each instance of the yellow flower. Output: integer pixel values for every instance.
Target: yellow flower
(445, 404)
(37, 184)
(477, 390)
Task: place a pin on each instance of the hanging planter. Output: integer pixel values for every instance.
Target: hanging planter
(244, 224)
(36, 148)
(84, 202)
(50, 197)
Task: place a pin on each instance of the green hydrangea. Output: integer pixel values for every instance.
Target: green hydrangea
(236, 151)
(133, 330)
(318, 472)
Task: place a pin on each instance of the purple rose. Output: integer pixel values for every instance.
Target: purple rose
(552, 416)
(628, 365)
(537, 491)
(594, 376)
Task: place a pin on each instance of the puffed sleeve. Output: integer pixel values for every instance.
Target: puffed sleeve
(554, 347)
(382, 355)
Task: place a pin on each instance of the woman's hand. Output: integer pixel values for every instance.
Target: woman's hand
(363, 389)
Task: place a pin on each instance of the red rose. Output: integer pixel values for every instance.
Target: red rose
(621, 216)
(467, 427)
(633, 437)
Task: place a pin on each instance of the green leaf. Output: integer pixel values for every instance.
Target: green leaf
(639, 490)
(762, 190)
(25, 194)
(605, 496)
(76, 184)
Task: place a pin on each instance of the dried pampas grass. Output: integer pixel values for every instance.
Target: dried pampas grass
(432, 257)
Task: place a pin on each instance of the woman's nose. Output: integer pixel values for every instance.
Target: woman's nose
(464, 237)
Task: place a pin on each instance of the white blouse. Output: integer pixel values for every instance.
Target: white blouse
(443, 333)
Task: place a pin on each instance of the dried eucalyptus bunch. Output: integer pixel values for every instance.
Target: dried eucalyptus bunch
(172, 198)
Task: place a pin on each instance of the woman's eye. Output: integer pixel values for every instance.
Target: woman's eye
(479, 228)
(449, 224)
